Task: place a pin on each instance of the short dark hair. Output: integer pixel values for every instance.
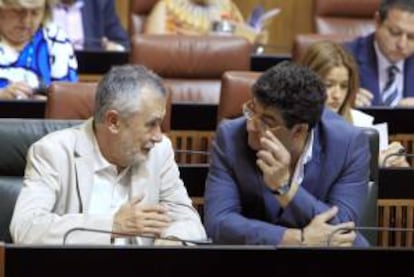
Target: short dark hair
(387, 5)
(297, 92)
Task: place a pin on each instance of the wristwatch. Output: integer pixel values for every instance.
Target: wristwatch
(282, 190)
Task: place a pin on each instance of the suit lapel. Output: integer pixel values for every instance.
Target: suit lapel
(408, 89)
(84, 163)
(253, 189)
(141, 182)
(367, 59)
(312, 169)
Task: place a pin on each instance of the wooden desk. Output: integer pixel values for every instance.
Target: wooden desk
(89, 78)
(205, 261)
(262, 62)
(95, 63)
(99, 61)
(399, 122)
(399, 119)
(22, 108)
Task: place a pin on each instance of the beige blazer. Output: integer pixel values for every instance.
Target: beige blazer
(50, 202)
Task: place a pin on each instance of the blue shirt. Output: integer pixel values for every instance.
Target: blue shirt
(47, 57)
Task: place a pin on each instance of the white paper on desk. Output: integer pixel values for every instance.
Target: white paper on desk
(382, 129)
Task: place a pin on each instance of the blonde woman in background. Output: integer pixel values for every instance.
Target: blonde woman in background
(339, 72)
(33, 52)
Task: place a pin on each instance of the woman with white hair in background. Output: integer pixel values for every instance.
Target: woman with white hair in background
(33, 51)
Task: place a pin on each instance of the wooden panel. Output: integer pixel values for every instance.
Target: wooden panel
(90, 77)
(396, 213)
(2, 259)
(122, 8)
(187, 143)
(296, 17)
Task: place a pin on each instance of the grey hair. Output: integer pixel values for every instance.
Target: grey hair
(121, 86)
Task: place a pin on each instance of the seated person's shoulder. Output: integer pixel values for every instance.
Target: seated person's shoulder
(162, 149)
(231, 125)
(354, 45)
(65, 136)
(336, 124)
(232, 133)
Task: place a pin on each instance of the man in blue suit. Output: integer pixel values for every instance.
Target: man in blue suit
(386, 57)
(100, 25)
(290, 172)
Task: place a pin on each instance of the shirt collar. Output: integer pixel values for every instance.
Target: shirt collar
(100, 163)
(304, 158)
(307, 153)
(384, 63)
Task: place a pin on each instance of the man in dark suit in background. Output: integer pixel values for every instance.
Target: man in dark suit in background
(386, 57)
(91, 24)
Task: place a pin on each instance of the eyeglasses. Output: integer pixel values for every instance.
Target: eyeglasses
(260, 123)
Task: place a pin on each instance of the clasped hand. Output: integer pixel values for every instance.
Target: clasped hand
(391, 158)
(320, 233)
(137, 218)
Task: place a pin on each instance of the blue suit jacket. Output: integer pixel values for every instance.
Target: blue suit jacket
(100, 20)
(240, 209)
(363, 51)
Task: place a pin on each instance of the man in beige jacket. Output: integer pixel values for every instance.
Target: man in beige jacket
(115, 173)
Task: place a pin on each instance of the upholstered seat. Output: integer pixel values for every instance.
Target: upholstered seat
(16, 136)
(349, 17)
(77, 101)
(235, 90)
(192, 66)
(303, 41)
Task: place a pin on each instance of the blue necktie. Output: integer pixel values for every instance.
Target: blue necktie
(390, 92)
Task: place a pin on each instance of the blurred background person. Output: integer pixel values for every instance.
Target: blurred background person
(200, 17)
(33, 52)
(386, 57)
(339, 72)
(91, 24)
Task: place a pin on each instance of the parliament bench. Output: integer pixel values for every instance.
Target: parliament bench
(16, 136)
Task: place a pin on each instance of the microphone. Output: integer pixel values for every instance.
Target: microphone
(376, 229)
(191, 156)
(195, 152)
(185, 242)
(400, 152)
